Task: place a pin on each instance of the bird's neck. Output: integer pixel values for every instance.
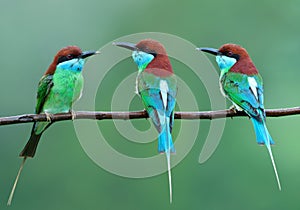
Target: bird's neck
(75, 65)
(244, 66)
(160, 66)
(62, 71)
(224, 71)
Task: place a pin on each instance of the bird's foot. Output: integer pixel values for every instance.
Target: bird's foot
(236, 110)
(73, 113)
(233, 109)
(49, 116)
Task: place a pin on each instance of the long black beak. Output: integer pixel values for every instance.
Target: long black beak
(126, 45)
(209, 50)
(86, 54)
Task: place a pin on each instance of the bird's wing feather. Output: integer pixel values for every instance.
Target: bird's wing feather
(152, 97)
(154, 105)
(171, 104)
(44, 87)
(238, 89)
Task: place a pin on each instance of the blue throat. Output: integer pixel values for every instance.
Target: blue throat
(74, 65)
(225, 62)
(142, 59)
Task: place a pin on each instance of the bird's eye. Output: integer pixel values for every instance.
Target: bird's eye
(69, 56)
(230, 53)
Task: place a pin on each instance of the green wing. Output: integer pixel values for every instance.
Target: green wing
(44, 87)
(149, 90)
(237, 88)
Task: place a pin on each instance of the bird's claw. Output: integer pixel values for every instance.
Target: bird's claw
(236, 110)
(73, 114)
(49, 117)
(233, 109)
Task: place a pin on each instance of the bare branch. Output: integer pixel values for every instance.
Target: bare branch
(27, 118)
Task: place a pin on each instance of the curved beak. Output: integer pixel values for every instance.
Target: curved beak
(86, 54)
(126, 45)
(209, 50)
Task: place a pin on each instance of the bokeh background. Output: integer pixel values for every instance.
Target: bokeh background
(239, 175)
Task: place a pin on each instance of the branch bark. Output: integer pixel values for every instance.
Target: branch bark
(27, 118)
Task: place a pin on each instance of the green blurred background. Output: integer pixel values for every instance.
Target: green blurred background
(238, 176)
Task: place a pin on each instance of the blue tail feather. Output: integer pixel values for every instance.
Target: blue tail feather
(261, 131)
(165, 142)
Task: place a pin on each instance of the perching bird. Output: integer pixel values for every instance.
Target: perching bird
(58, 89)
(157, 86)
(241, 83)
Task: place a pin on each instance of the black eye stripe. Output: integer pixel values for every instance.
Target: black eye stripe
(66, 58)
(236, 56)
(231, 55)
(153, 53)
(62, 59)
(147, 50)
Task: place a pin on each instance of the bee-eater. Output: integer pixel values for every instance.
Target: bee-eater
(241, 83)
(58, 89)
(157, 86)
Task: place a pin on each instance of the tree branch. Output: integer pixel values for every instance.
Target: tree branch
(27, 118)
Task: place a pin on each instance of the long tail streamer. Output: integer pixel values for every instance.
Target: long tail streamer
(16, 182)
(274, 166)
(169, 174)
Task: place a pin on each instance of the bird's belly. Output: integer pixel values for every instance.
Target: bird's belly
(59, 101)
(62, 95)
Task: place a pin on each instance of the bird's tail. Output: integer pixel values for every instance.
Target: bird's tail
(30, 148)
(11, 195)
(36, 133)
(262, 133)
(165, 145)
(263, 137)
(165, 142)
